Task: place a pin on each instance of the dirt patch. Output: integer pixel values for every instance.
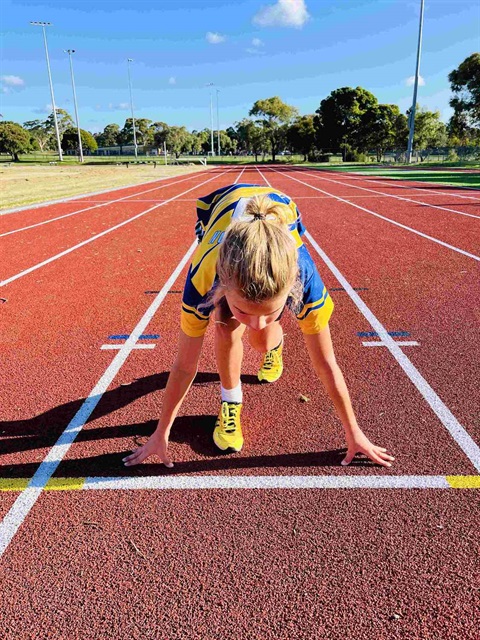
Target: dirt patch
(23, 185)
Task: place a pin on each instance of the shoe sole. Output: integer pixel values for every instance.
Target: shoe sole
(229, 448)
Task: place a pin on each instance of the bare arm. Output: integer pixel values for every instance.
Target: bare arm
(320, 349)
(179, 381)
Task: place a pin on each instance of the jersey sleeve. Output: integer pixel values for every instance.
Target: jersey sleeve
(317, 305)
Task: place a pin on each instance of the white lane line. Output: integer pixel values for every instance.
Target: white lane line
(97, 206)
(377, 215)
(25, 501)
(99, 235)
(239, 176)
(268, 482)
(106, 347)
(443, 413)
(389, 195)
(405, 343)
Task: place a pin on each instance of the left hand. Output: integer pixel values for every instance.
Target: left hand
(357, 442)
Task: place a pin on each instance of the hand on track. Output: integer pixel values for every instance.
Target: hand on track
(155, 446)
(359, 443)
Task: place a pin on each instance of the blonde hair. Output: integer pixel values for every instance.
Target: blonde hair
(258, 257)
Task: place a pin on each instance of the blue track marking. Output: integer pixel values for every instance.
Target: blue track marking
(374, 334)
(144, 336)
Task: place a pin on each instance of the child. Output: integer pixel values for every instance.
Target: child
(249, 266)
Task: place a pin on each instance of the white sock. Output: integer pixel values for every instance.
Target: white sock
(232, 395)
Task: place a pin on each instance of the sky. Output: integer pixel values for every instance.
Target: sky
(299, 50)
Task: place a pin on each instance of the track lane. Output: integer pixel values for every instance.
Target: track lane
(430, 297)
(456, 233)
(74, 235)
(56, 322)
(239, 564)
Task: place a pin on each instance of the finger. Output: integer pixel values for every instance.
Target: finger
(168, 463)
(376, 458)
(348, 458)
(136, 458)
(382, 454)
(131, 456)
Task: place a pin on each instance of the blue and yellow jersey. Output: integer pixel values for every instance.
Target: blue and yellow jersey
(215, 212)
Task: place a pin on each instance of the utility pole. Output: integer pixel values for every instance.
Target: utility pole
(129, 60)
(210, 84)
(218, 127)
(70, 51)
(415, 87)
(43, 25)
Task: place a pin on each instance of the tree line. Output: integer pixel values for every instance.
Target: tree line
(350, 122)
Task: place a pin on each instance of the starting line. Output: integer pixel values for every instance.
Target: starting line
(244, 482)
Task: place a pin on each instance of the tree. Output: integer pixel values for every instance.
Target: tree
(430, 132)
(460, 133)
(70, 140)
(38, 133)
(177, 140)
(380, 124)
(64, 121)
(465, 84)
(13, 139)
(340, 123)
(109, 137)
(301, 135)
(159, 131)
(232, 134)
(142, 130)
(274, 115)
(226, 143)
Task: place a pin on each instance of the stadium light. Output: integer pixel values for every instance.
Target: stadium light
(70, 51)
(415, 87)
(218, 126)
(210, 84)
(129, 60)
(43, 25)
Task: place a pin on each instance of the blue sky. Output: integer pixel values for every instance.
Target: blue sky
(300, 50)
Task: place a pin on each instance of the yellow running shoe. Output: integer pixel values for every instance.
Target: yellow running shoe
(272, 367)
(228, 431)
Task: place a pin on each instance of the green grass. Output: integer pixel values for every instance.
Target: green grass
(456, 178)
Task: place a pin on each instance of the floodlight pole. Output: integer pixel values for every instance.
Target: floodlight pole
(43, 25)
(218, 127)
(129, 60)
(70, 51)
(210, 84)
(415, 87)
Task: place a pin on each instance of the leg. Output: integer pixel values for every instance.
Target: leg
(266, 339)
(228, 346)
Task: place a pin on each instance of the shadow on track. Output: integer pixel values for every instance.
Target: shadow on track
(42, 431)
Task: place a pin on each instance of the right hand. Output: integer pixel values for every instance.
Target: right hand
(157, 445)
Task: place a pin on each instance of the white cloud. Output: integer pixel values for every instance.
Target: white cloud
(411, 81)
(215, 38)
(285, 13)
(12, 81)
(48, 108)
(123, 106)
(257, 42)
(172, 80)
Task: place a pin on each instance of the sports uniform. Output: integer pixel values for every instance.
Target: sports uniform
(215, 212)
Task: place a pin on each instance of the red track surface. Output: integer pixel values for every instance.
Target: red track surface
(240, 563)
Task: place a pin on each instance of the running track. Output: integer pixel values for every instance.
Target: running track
(278, 541)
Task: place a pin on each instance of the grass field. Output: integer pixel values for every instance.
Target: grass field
(23, 184)
(456, 175)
